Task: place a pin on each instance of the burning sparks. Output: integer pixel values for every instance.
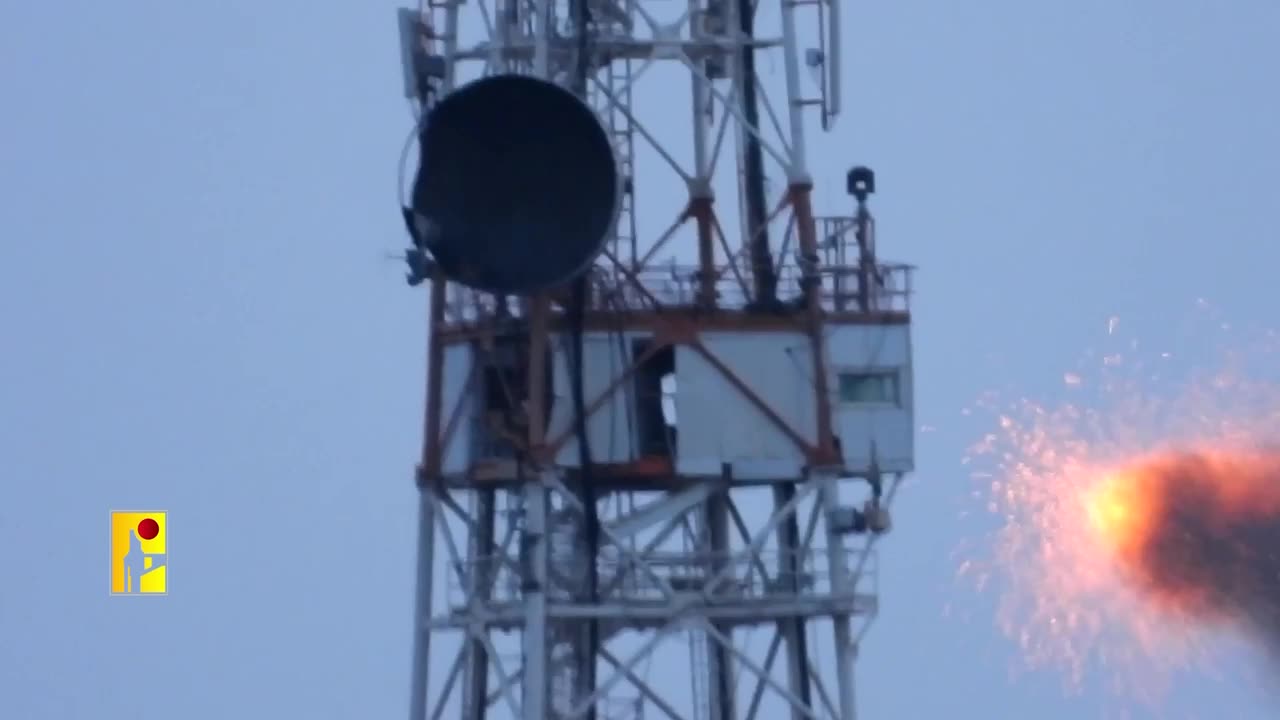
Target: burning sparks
(1140, 517)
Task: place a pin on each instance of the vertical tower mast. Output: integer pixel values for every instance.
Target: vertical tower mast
(626, 467)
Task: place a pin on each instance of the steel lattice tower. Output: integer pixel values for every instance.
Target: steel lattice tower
(747, 374)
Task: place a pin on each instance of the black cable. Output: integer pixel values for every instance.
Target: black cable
(577, 318)
(577, 321)
(766, 281)
(582, 71)
(591, 529)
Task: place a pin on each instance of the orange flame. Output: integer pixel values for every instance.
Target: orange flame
(1082, 492)
(1120, 512)
(1183, 526)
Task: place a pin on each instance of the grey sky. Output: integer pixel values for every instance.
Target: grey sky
(197, 318)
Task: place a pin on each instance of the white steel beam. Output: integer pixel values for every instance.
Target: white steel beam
(671, 506)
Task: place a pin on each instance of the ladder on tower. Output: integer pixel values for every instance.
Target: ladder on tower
(613, 103)
(564, 679)
(698, 663)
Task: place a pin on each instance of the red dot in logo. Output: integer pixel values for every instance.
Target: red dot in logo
(148, 529)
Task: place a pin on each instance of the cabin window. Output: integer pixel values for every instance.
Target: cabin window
(669, 399)
(655, 400)
(870, 388)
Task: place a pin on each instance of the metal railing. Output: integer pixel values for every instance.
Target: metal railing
(673, 286)
(845, 284)
(623, 580)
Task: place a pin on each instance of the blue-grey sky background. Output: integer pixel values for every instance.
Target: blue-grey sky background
(194, 204)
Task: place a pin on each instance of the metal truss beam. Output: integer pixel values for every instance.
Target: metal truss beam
(715, 593)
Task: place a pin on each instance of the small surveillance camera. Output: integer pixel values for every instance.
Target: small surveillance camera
(861, 183)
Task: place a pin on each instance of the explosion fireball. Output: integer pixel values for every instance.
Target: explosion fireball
(1138, 520)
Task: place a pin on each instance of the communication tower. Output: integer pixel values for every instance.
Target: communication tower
(645, 447)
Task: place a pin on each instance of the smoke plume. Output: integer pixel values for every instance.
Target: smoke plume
(1199, 533)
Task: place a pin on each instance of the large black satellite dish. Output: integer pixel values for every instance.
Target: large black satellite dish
(517, 186)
